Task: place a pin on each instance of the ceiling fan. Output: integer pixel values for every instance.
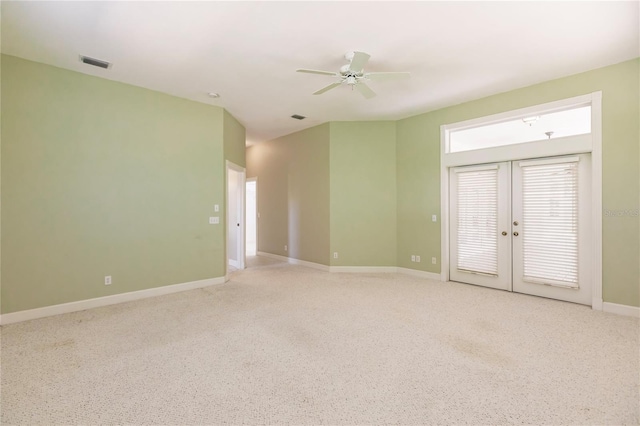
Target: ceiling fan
(352, 74)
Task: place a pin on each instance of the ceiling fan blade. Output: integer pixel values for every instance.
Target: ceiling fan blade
(317, 72)
(359, 61)
(365, 90)
(326, 89)
(387, 75)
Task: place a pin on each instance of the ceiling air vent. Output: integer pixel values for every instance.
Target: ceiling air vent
(95, 62)
(298, 117)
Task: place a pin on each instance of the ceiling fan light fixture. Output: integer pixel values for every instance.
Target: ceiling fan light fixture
(530, 120)
(353, 75)
(213, 95)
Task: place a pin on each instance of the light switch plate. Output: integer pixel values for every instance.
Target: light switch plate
(434, 218)
(214, 220)
(216, 208)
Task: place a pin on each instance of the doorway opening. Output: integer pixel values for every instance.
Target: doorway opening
(252, 217)
(235, 217)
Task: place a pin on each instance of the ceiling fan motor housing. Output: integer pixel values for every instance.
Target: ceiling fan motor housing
(351, 79)
(349, 76)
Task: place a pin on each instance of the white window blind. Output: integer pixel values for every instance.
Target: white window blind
(550, 222)
(477, 212)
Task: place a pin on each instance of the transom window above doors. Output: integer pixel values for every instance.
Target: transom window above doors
(568, 122)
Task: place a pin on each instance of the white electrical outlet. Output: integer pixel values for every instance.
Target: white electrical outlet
(418, 259)
(433, 260)
(107, 280)
(413, 257)
(214, 220)
(285, 248)
(434, 218)
(216, 208)
(335, 254)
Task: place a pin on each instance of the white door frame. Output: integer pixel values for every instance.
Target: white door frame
(255, 179)
(241, 214)
(561, 146)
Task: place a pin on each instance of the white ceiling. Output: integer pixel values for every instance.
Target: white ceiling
(249, 51)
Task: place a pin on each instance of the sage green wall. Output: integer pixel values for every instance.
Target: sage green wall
(293, 194)
(234, 139)
(418, 183)
(363, 193)
(102, 178)
(418, 151)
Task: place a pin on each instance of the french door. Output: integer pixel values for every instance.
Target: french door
(523, 226)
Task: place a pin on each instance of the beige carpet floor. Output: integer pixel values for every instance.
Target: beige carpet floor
(282, 344)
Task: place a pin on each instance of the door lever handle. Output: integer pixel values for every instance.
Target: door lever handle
(504, 232)
(515, 234)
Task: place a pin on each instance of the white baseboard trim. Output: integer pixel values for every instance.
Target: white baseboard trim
(273, 256)
(421, 274)
(294, 261)
(313, 265)
(354, 269)
(364, 269)
(596, 304)
(615, 308)
(97, 302)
